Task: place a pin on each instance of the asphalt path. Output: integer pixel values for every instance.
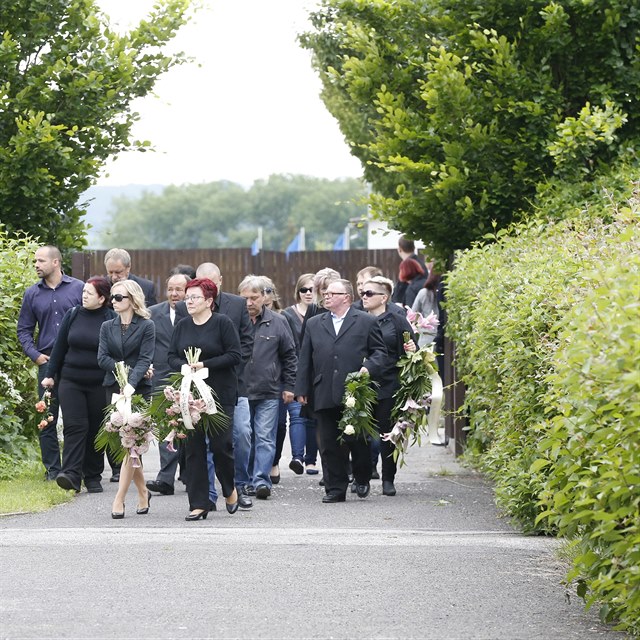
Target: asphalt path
(435, 561)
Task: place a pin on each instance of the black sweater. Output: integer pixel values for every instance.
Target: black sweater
(75, 351)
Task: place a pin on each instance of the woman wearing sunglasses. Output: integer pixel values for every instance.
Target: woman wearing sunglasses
(129, 338)
(375, 298)
(74, 362)
(302, 431)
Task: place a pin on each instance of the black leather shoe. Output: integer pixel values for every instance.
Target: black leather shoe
(144, 510)
(233, 506)
(118, 515)
(263, 492)
(363, 490)
(115, 477)
(160, 487)
(388, 488)
(244, 502)
(212, 506)
(64, 482)
(192, 517)
(249, 490)
(334, 497)
(93, 486)
(375, 475)
(296, 466)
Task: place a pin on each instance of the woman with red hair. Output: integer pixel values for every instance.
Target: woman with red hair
(413, 275)
(74, 361)
(215, 335)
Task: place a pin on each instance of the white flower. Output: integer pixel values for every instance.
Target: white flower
(350, 402)
(349, 429)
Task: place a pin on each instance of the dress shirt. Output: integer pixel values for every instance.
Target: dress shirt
(337, 322)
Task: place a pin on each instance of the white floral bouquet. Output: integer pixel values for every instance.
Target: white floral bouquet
(127, 429)
(358, 401)
(418, 400)
(186, 401)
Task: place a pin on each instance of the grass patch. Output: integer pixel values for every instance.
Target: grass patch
(29, 493)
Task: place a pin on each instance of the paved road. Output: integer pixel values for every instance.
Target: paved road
(435, 561)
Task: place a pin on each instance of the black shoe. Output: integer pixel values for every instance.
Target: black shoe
(118, 515)
(363, 490)
(353, 487)
(160, 487)
(232, 507)
(296, 466)
(145, 510)
(192, 517)
(334, 497)
(93, 486)
(262, 492)
(321, 482)
(64, 482)
(388, 488)
(115, 477)
(249, 490)
(212, 506)
(375, 475)
(244, 501)
(51, 475)
(275, 478)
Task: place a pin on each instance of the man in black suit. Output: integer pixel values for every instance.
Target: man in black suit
(335, 344)
(235, 308)
(164, 318)
(117, 262)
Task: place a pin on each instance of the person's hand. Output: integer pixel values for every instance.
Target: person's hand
(287, 397)
(410, 346)
(47, 383)
(302, 399)
(42, 359)
(197, 365)
(149, 373)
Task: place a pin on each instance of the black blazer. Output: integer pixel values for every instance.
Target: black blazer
(326, 359)
(164, 331)
(135, 348)
(148, 288)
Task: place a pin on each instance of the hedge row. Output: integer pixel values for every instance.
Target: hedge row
(18, 380)
(546, 322)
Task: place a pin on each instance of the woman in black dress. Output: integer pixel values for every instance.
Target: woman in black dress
(215, 335)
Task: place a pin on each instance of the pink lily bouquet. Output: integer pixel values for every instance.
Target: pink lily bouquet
(127, 429)
(418, 400)
(186, 402)
(43, 406)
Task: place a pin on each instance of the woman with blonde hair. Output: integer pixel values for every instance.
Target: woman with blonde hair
(129, 338)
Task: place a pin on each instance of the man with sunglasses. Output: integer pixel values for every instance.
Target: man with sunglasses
(337, 343)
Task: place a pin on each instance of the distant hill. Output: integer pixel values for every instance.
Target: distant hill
(100, 210)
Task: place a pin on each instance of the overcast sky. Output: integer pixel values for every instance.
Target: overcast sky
(251, 108)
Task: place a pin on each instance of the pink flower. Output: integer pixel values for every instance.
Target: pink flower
(410, 405)
(41, 406)
(116, 419)
(42, 424)
(412, 315)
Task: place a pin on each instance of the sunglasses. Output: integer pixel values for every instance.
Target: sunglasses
(305, 290)
(118, 297)
(370, 294)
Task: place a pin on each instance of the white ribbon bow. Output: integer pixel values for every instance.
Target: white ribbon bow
(123, 402)
(198, 378)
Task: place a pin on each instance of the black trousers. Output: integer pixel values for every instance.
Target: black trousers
(49, 445)
(382, 414)
(83, 411)
(221, 445)
(335, 455)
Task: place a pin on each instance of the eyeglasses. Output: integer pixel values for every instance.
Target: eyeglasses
(118, 297)
(193, 298)
(370, 294)
(305, 290)
(330, 294)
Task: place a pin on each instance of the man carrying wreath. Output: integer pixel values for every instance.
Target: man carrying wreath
(335, 344)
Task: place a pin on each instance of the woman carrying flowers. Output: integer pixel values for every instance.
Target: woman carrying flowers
(129, 339)
(375, 297)
(74, 361)
(217, 341)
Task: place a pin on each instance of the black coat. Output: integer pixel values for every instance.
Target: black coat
(327, 358)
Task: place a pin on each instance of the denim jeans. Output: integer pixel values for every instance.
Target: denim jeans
(297, 430)
(211, 470)
(49, 445)
(242, 442)
(264, 424)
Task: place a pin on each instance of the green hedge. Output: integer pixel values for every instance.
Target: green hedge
(18, 380)
(546, 324)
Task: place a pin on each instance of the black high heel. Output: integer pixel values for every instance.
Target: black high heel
(192, 517)
(145, 510)
(118, 515)
(233, 507)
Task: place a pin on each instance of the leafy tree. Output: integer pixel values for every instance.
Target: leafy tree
(223, 214)
(460, 109)
(66, 86)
